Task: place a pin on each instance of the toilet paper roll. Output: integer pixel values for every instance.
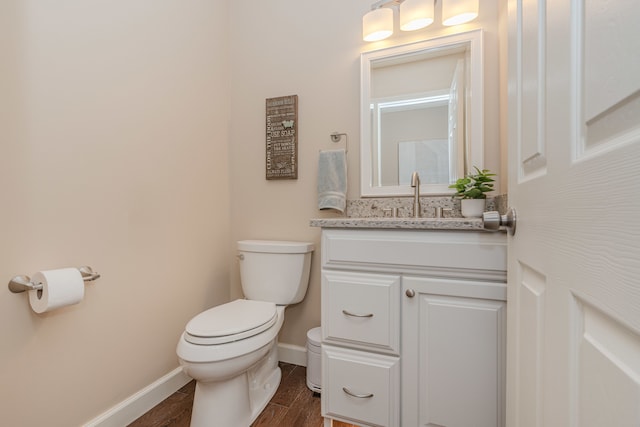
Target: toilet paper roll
(60, 288)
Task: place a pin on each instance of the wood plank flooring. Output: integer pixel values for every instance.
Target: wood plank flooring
(293, 405)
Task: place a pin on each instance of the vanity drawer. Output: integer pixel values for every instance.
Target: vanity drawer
(360, 387)
(477, 255)
(361, 310)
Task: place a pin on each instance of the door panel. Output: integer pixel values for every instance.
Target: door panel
(454, 328)
(452, 353)
(574, 150)
(608, 369)
(530, 328)
(532, 100)
(610, 95)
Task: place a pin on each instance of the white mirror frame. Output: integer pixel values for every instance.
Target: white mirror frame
(474, 146)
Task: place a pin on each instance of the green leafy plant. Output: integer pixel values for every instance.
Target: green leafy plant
(474, 185)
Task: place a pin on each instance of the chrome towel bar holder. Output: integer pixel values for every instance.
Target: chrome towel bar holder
(337, 137)
(20, 284)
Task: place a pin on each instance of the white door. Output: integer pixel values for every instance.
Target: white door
(574, 262)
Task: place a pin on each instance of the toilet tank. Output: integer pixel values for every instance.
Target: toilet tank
(275, 271)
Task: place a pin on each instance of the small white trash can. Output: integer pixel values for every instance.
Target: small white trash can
(314, 374)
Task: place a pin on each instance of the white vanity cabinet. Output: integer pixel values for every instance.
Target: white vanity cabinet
(413, 327)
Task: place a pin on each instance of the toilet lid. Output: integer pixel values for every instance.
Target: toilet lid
(233, 321)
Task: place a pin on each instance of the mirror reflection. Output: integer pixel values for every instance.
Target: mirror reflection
(417, 114)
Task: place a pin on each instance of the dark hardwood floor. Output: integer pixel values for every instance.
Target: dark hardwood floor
(293, 405)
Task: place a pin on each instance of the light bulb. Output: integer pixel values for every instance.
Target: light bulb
(455, 12)
(415, 14)
(377, 24)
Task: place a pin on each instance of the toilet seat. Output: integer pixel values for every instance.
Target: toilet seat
(230, 322)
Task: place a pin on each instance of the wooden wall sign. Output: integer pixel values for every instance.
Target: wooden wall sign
(282, 137)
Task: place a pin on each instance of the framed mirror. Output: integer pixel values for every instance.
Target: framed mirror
(421, 110)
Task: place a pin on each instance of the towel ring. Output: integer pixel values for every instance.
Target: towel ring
(337, 137)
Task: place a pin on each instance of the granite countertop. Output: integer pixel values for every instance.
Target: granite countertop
(472, 224)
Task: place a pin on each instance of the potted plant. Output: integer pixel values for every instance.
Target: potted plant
(471, 190)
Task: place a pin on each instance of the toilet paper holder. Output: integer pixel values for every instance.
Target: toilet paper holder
(23, 283)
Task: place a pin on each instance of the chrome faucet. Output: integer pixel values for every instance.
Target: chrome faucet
(415, 183)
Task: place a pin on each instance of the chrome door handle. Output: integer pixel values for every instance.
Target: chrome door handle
(359, 396)
(492, 220)
(348, 313)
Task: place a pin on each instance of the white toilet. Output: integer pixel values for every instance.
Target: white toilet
(231, 350)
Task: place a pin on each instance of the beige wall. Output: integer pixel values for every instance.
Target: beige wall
(286, 47)
(113, 153)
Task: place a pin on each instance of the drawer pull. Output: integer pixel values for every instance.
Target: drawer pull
(348, 313)
(359, 396)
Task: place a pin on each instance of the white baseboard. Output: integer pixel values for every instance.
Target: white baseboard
(139, 403)
(294, 354)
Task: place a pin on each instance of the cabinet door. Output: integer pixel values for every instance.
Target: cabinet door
(453, 353)
(361, 310)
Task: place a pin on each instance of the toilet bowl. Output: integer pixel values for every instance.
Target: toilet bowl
(231, 349)
(234, 380)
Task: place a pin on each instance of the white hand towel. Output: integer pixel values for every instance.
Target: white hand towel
(332, 180)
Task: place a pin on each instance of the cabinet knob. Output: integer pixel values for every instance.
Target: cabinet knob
(410, 293)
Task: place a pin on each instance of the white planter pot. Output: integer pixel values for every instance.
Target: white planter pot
(472, 208)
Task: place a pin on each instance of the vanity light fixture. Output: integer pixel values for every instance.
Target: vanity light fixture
(377, 24)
